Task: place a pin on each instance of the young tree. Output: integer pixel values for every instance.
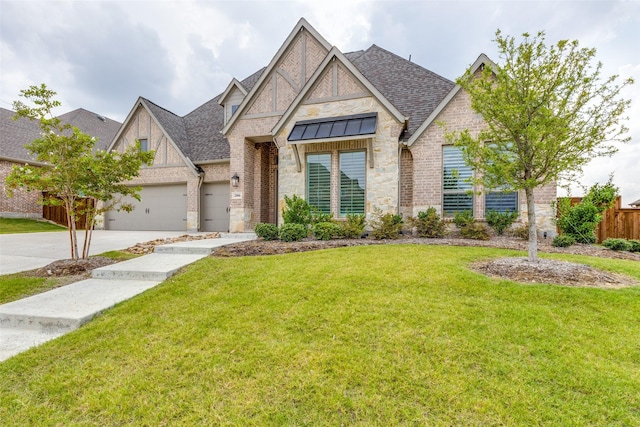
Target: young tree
(548, 112)
(86, 183)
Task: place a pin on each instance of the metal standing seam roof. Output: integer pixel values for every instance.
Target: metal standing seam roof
(334, 127)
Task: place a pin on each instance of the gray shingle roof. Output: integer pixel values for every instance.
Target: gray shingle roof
(412, 89)
(14, 134)
(172, 124)
(204, 124)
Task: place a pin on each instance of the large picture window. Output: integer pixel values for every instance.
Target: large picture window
(352, 182)
(456, 186)
(319, 181)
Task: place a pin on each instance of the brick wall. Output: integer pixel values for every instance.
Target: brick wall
(23, 204)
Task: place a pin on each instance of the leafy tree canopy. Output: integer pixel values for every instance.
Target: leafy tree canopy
(548, 112)
(85, 181)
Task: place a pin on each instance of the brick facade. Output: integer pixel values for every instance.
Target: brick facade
(23, 204)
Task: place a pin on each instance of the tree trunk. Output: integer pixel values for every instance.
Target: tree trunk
(70, 205)
(533, 232)
(88, 233)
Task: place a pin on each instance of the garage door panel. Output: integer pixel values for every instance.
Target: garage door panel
(214, 206)
(160, 208)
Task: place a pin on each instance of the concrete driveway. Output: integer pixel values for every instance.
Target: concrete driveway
(28, 251)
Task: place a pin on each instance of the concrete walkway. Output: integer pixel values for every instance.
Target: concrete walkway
(39, 318)
(28, 251)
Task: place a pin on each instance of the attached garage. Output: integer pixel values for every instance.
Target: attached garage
(162, 207)
(214, 206)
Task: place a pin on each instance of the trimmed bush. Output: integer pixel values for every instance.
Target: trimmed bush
(296, 211)
(521, 232)
(500, 221)
(635, 245)
(563, 241)
(464, 218)
(353, 227)
(428, 224)
(476, 231)
(617, 244)
(326, 230)
(293, 232)
(385, 226)
(266, 231)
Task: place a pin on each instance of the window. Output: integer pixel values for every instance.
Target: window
(144, 145)
(456, 187)
(352, 180)
(319, 181)
(234, 108)
(501, 201)
(350, 188)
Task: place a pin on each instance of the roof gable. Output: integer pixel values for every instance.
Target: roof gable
(170, 124)
(479, 63)
(333, 58)
(302, 27)
(234, 84)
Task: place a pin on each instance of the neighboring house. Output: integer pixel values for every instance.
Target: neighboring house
(15, 134)
(349, 132)
(635, 204)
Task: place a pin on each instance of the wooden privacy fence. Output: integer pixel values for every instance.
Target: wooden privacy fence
(619, 222)
(58, 214)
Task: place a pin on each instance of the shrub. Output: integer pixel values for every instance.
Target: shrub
(500, 221)
(521, 232)
(617, 244)
(635, 245)
(563, 241)
(385, 226)
(476, 231)
(296, 211)
(579, 221)
(267, 231)
(318, 217)
(464, 218)
(326, 230)
(428, 224)
(293, 232)
(602, 196)
(353, 227)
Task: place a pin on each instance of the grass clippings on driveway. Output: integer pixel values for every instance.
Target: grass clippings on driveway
(371, 335)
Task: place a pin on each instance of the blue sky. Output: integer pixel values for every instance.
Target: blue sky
(102, 55)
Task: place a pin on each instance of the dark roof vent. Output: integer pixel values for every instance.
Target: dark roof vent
(101, 118)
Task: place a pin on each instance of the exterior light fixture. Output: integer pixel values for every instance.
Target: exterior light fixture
(235, 180)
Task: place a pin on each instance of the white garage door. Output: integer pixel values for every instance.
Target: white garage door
(162, 207)
(214, 206)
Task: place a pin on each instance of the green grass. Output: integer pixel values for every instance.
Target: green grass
(378, 335)
(22, 225)
(21, 285)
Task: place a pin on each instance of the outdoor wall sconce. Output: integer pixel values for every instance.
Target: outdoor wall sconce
(235, 180)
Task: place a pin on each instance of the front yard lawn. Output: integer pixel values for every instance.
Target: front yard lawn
(370, 335)
(22, 225)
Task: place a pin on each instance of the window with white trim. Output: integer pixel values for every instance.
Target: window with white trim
(457, 189)
(144, 145)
